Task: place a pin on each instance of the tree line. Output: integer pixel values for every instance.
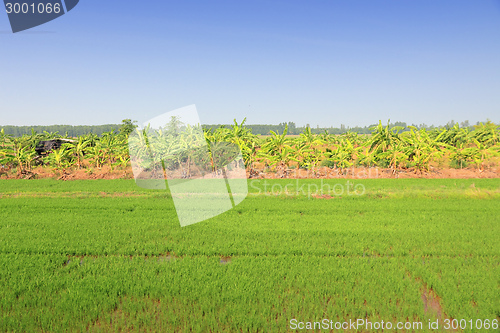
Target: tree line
(387, 146)
(292, 128)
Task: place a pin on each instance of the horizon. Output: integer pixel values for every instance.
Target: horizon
(464, 123)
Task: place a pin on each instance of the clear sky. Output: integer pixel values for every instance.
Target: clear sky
(325, 63)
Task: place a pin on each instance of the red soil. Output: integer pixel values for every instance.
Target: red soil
(325, 173)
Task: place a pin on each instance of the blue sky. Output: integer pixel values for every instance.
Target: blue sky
(325, 63)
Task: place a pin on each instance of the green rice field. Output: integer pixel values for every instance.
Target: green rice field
(107, 256)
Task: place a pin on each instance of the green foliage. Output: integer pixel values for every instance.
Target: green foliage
(277, 150)
(388, 147)
(72, 131)
(127, 127)
(383, 138)
(60, 158)
(90, 256)
(343, 155)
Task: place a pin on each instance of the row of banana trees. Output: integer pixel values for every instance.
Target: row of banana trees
(389, 147)
(395, 147)
(88, 151)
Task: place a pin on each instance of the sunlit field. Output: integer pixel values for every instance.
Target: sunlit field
(105, 255)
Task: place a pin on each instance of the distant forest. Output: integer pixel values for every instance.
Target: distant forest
(75, 131)
(64, 130)
(294, 130)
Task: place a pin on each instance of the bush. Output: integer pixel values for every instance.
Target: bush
(327, 163)
(458, 164)
(383, 163)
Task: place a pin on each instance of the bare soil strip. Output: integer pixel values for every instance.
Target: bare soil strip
(319, 173)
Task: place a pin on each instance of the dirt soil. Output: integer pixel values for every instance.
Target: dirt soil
(321, 173)
(73, 174)
(373, 173)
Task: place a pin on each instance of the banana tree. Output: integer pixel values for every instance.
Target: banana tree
(50, 135)
(192, 142)
(77, 149)
(312, 160)
(18, 154)
(367, 158)
(6, 153)
(276, 142)
(109, 144)
(452, 136)
(250, 151)
(32, 140)
(60, 158)
(480, 153)
(123, 160)
(421, 148)
(4, 138)
(91, 138)
(325, 137)
(309, 138)
(301, 150)
(341, 159)
(343, 155)
(238, 133)
(25, 158)
(97, 155)
(277, 150)
(7, 157)
(353, 137)
(396, 157)
(243, 137)
(488, 133)
(139, 147)
(459, 154)
(280, 160)
(122, 156)
(311, 149)
(384, 137)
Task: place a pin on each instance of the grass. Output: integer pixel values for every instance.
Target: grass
(106, 255)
